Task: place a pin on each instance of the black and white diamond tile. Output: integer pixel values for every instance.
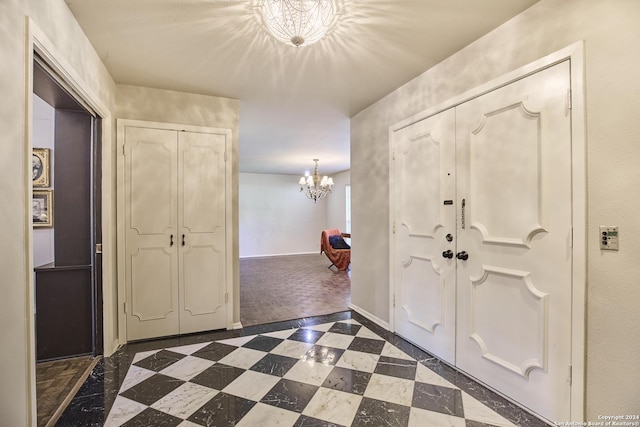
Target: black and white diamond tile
(332, 374)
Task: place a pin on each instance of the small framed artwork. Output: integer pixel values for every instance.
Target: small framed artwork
(42, 208)
(41, 167)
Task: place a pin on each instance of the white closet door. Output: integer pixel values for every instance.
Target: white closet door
(151, 266)
(201, 219)
(424, 239)
(514, 290)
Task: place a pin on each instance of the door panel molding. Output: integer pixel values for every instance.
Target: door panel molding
(202, 300)
(424, 152)
(484, 175)
(164, 302)
(157, 199)
(535, 327)
(203, 180)
(424, 268)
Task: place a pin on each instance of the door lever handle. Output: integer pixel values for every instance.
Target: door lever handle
(462, 255)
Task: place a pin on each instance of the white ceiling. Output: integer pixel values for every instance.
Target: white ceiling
(295, 103)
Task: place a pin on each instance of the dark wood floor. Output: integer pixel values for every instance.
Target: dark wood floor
(291, 287)
(55, 381)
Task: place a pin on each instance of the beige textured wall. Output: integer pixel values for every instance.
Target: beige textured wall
(276, 219)
(16, 335)
(140, 103)
(611, 32)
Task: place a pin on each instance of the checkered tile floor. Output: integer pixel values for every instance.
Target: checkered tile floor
(333, 374)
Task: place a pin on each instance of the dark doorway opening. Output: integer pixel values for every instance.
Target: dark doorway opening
(67, 237)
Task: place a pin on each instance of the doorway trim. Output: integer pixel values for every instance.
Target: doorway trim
(38, 42)
(575, 54)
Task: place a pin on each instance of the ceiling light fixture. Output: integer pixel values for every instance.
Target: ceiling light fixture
(298, 22)
(315, 187)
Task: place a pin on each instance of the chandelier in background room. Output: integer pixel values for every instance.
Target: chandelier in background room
(315, 187)
(298, 22)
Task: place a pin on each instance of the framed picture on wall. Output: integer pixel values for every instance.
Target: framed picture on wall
(42, 208)
(41, 167)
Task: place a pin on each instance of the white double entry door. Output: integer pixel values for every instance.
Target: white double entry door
(176, 257)
(482, 248)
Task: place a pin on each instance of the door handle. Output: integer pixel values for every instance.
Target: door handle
(183, 240)
(462, 255)
(171, 240)
(447, 254)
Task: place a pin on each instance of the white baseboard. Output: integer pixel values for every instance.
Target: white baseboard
(375, 319)
(109, 350)
(272, 255)
(237, 325)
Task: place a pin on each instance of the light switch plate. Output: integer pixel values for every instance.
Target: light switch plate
(609, 238)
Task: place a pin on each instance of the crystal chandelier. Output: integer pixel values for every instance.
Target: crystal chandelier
(315, 187)
(298, 22)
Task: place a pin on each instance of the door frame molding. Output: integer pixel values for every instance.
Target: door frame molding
(37, 41)
(575, 54)
(121, 124)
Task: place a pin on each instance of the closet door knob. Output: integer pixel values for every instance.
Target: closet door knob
(171, 240)
(447, 254)
(462, 255)
(183, 240)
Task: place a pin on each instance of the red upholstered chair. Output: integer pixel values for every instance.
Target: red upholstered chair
(341, 258)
